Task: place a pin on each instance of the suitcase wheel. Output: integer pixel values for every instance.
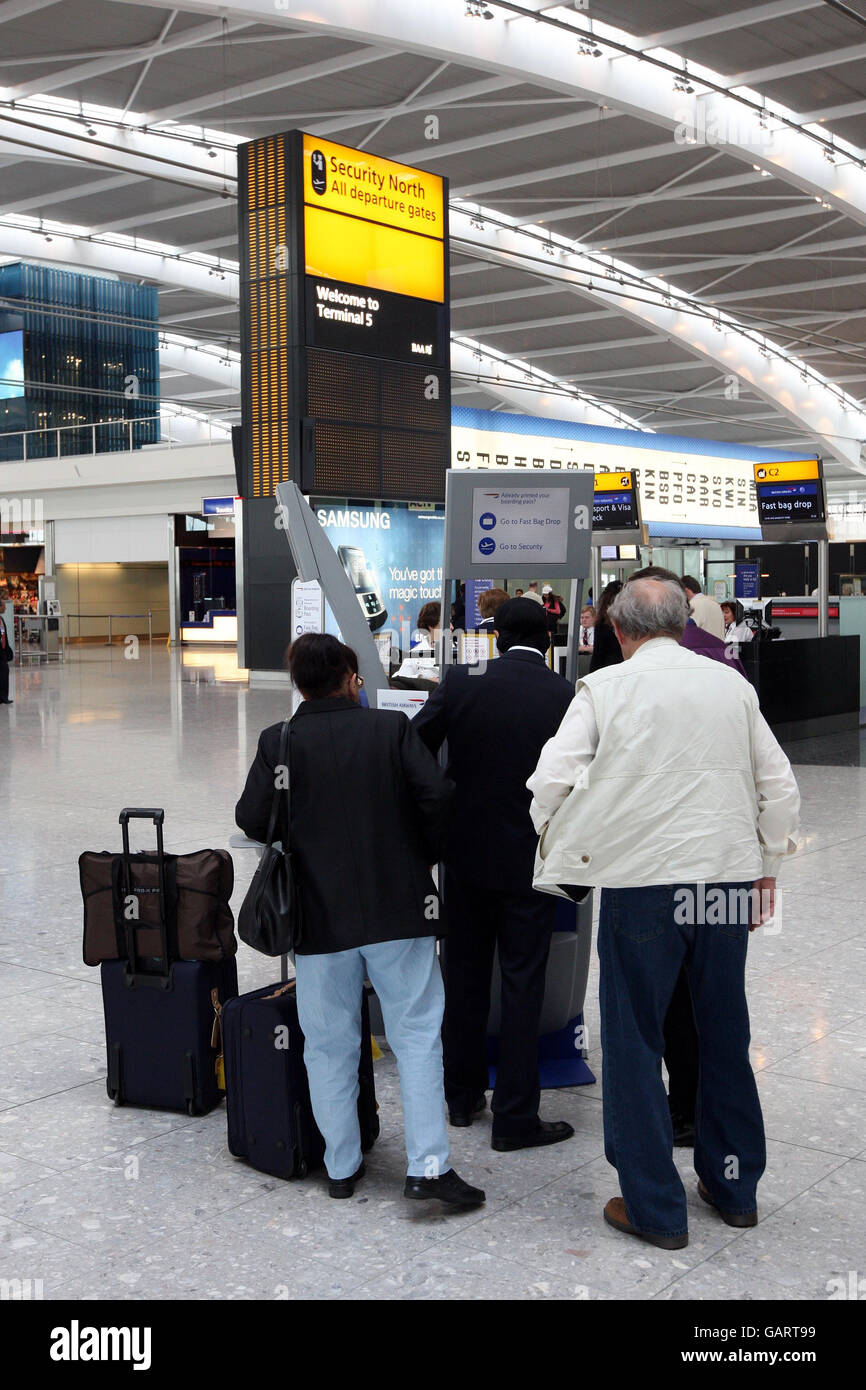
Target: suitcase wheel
(191, 1108)
(302, 1169)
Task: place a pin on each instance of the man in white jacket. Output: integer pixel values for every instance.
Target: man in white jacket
(665, 787)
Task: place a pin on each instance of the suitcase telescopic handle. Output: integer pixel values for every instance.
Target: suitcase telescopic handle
(157, 815)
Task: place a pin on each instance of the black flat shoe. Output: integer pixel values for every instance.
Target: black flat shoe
(345, 1187)
(447, 1188)
(548, 1132)
(730, 1218)
(684, 1131)
(461, 1119)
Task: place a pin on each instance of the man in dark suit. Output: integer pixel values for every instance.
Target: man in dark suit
(6, 657)
(496, 721)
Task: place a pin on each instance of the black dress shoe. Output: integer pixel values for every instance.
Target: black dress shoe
(447, 1188)
(684, 1130)
(461, 1119)
(7, 702)
(548, 1132)
(345, 1187)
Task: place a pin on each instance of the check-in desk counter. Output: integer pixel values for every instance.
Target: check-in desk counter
(808, 686)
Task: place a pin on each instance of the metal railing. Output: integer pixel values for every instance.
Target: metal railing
(217, 433)
(109, 617)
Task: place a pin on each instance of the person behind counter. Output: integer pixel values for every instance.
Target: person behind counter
(365, 796)
(605, 647)
(422, 662)
(736, 628)
(587, 629)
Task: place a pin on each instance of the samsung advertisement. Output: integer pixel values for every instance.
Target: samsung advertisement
(392, 555)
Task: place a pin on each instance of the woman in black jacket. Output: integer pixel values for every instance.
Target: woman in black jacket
(367, 806)
(605, 647)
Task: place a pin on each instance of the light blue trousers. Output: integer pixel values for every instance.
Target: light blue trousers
(407, 979)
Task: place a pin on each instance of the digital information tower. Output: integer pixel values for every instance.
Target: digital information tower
(345, 378)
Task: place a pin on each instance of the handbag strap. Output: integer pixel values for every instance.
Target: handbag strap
(275, 803)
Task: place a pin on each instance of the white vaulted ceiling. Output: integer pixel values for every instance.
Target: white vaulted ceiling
(658, 209)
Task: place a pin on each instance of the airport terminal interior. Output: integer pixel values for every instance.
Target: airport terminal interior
(360, 321)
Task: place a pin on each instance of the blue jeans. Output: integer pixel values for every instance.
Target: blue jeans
(645, 936)
(407, 979)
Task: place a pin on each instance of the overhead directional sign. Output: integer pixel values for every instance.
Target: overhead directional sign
(790, 492)
(615, 502)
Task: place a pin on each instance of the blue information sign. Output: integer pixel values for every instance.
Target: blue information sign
(747, 583)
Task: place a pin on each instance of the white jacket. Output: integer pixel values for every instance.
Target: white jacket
(663, 771)
(708, 614)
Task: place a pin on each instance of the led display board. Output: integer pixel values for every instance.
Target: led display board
(344, 322)
(790, 492)
(614, 503)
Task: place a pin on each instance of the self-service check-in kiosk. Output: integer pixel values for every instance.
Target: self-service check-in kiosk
(503, 524)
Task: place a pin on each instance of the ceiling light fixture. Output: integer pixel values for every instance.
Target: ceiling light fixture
(477, 9)
(682, 83)
(588, 48)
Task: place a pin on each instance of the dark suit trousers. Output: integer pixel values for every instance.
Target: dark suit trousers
(681, 1049)
(4, 678)
(520, 925)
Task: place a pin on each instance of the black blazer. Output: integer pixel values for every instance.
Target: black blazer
(606, 650)
(6, 653)
(368, 812)
(496, 724)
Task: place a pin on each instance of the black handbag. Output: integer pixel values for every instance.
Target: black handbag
(269, 919)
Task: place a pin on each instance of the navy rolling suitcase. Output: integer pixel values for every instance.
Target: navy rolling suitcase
(270, 1117)
(162, 1016)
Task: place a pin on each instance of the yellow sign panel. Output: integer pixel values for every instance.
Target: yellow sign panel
(786, 472)
(379, 258)
(614, 482)
(363, 185)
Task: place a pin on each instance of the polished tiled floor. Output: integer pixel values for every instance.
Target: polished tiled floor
(98, 1202)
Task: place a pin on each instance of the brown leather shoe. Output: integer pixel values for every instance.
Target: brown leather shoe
(730, 1218)
(615, 1215)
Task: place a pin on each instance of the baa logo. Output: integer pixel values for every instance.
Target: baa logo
(320, 172)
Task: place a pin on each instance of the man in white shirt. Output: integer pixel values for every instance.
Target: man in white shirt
(532, 592)
(684, 823)
(705, 611)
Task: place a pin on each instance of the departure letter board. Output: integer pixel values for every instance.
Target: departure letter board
(344, 322)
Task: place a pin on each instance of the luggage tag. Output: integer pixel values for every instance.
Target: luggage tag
(216, 1039)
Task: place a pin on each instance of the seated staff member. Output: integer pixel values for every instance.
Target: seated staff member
(365, 796)
(496, 722)
(736, 628)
